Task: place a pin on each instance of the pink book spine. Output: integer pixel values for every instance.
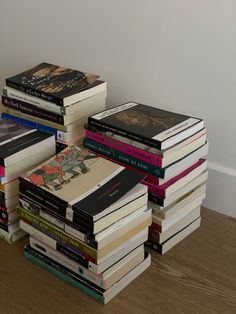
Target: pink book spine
(125, 148)
(2, 171)
(160, 190)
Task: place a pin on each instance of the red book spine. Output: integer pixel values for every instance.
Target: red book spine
(128, 149)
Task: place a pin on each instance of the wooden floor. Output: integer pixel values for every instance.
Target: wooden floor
(196, 276)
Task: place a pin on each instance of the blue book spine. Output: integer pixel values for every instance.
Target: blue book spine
(32, 124)
(63, 276)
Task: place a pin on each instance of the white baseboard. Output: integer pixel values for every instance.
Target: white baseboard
(221, 190)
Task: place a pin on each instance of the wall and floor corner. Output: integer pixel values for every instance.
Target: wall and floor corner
(176, 55)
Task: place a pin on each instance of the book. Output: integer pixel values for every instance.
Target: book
(84, 249)
(160, 237)
(52, 83)
(12, 237)
(104, 296)
(8, 217)
(11, 227)
(60, 135)
(165, 173)
(82, 227)
(186, 199)
(26, 145)
(10, 130)
(74, 180)
(93, 89)
(155, 159)
(199, 180)
(102, 264)
(9, 202)
(103, 280)
(87, 107)
(78, 124)
(172, 185)
(175, 239)
(151, 126)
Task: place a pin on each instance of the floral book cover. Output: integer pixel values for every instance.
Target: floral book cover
(51, 82)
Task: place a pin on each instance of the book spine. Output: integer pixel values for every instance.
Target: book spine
(36, 101)
(78, 232)
(31, 91)
(43, 197)
(65, 277)
(128, 149)
(67, 262)
(155, 246)
(105, 127)
(32, 110)
(124, 158)
(2, 171)
(57, 234)
(155, 199)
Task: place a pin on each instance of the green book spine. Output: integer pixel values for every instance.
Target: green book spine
(63, 276)
(43, 224)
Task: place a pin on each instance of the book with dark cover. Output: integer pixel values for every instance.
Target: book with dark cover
(9, 130)
(32, 110)
(17, 145)
(151, 126)
(51, 82)
(76, 181)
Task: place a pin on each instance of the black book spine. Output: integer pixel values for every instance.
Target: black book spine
(155, 246)
(72, 254)
(32, 91)
(3, 215)
(106, 127)
(43, 197)
(155, 199)
(32, 110)
(3, 225)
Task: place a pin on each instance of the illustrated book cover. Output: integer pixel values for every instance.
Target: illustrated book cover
(149, 125)
(51, 82)
(76, 181)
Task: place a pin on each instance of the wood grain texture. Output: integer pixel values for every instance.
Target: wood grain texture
(196, 276)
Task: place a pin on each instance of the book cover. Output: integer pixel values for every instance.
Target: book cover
(51, 82)
(9, 130)
(74, 179)
(146, 124)
(19, 144)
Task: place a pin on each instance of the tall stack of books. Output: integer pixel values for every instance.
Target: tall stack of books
(21, 148)
(167, 147)
(88, 220)
(54, 99)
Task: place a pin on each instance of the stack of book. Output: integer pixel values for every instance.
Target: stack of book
(88, 220)
(167, 147)
(54, 99)
(21, 148)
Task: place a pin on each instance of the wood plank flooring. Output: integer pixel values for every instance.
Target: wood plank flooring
(196, 276)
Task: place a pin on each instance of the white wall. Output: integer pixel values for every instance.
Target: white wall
(178, 55)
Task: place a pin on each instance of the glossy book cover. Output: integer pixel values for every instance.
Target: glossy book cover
(51, 82)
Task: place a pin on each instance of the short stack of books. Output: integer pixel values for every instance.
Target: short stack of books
(167, 147)
(88, 220)
(21, 148)
(54, 99)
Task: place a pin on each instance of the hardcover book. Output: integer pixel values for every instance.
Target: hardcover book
(75, 180)
(51, 82)
(148, 125)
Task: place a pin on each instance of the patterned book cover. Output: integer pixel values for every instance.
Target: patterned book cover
(51, 82)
